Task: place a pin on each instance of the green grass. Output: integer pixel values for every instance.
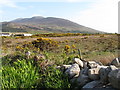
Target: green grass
(54, 78)
(20, 72)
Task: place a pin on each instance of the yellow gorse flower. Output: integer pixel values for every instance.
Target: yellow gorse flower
(73, 46)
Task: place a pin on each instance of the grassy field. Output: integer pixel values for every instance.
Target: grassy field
(22, 71)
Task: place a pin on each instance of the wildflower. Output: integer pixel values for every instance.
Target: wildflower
(67, 48)
(73, 46)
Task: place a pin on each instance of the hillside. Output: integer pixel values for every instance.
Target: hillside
(40, 24)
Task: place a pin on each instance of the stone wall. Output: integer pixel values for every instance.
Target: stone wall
(91, 74)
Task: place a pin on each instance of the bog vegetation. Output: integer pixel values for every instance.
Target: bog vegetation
(30, 62)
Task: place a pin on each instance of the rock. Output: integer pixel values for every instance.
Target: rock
(78, 61)
(109, 86)
(84, 71)
(116, 62)
(58, 67)
(85, 63)
(114, 78)
(92, 84)
(73, 80)
(112, 67)
(104, 75)
(82, 80)
(104, 71)
(92, 64)
(99, 63)
(66, 66)
(74, 70)
(93, 73)
(102, 66)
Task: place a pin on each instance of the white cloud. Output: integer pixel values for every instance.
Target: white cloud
(36, 15)
(101, 15)
(8, 3)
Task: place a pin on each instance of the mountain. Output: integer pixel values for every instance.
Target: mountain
(41, 24)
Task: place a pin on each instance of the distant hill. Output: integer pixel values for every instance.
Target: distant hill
(40, 24)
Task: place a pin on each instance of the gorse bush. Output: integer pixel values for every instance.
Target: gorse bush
(67, 48)
(45, 44)
(21, 75)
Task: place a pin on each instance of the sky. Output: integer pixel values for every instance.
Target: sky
(97, 14)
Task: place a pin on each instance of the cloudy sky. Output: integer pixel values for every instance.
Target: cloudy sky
(97, 14)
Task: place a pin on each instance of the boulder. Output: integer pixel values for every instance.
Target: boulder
(63, 67)
(114, 78)
(82, 80)
(58, 67)
(73, 80)
(99, 63)
(66, 66)
(116, 62)
(84, 71)
(72, 71)
(104, 71)
(112, 67)
(93, 73)
(104, 75)
(92, 64)
(92, 84)
(78, 61)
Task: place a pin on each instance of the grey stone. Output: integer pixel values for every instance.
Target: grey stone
(58, 67)
(104, 73)
(112, 67)
(84, 71)
(73, 71)
(92, 64)
(73, 80)
(78, 61)
(92, 84)
(93, 73)
(116, 62)
(82, 80)
(66, 66)
(114, 78)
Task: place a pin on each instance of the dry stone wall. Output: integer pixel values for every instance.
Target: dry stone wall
(91, 74)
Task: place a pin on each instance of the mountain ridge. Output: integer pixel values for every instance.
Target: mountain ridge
(47, 24)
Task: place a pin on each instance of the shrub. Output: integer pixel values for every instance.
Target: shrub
(45, 44)
(21, 75)
(54, 78)
(67, 48)
(102, 35)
